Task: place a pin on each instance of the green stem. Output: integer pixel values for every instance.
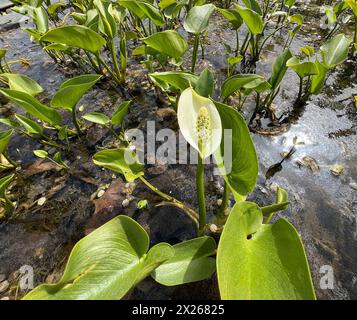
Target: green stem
(93, 63)
(101, 60)
(237, 39)
(300, 88)
(75, 121)
(200, 185)
(115, 58)
(171, 200)
(194, 54)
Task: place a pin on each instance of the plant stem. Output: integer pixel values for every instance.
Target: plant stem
(101, 60)
(115, 58)
(171, 200)
(237, 39)
(200, 186)
(300, 88)
(354, 38)
(194, 54)
(75, 121)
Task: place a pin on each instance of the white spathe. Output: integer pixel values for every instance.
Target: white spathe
(194, 113)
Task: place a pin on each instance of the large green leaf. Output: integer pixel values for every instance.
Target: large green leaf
(241, 174)
(191, 262)
(197, 18)
(236, 83)
(30, 125)
(106, 264)
(144, 9)
(303, 69)
(335, 51)
(96, 117)
(261, 261)
(5, 137)
(318, 80)
(205, 83)
(75, 36)
(168, 42)
(119, 114)
(107, 22)
(176, 79)
(22, 83)
(33, 106)
(253, 5)
(232, 16)
(279, 68)
(72, 90)
(120, 160)
(253, 20)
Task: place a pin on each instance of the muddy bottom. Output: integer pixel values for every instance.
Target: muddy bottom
(323, 205)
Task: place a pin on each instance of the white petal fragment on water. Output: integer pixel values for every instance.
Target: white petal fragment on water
(199, 122)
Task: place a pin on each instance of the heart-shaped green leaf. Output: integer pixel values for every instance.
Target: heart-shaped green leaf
(236, 83)
(335, 51)
(279, 69)
(120, 113)
(33, 106)
(5, 137)
(168, 42)
(197, 18)
(72, 90)
(253, 20)
(31, 126)
(178, 80)
(191, 262)
(261, 261)
(22, 83)
(242, 172)
(106, 264)
(75, 36)
(302, 69)
(120, 160)
(96, 117)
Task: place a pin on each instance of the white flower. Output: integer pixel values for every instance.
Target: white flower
(199, 122)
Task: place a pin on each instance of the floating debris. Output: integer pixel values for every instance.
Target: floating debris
(337, 169)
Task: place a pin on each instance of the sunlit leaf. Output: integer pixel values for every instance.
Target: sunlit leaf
(191, 262)
(257, 261)
(197, 18)
(120, 160)
(106, 264)
(75, 36)
(72, 90)
(33, 106)
(168, 42)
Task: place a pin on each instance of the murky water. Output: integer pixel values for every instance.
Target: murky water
(323, 206)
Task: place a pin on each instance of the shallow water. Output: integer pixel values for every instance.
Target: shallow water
(323, 206)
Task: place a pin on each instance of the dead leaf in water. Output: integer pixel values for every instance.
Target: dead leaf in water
(39, 166)
(337, 169)
(310, 163)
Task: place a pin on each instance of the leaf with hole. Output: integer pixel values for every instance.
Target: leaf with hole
(270, 264)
